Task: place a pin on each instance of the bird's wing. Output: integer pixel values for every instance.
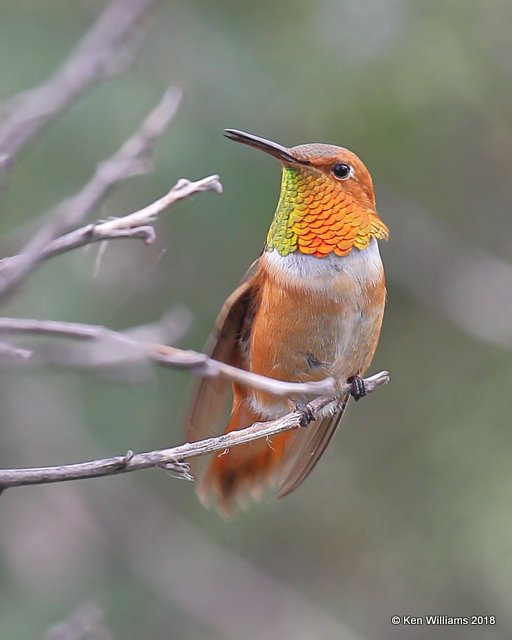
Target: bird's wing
(210, 395)
(305, 449)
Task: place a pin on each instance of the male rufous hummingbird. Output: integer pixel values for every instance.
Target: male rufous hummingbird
(310, 306)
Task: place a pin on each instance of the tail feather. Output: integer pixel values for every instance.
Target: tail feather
(243, 471)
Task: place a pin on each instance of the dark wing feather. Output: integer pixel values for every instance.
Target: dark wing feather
(210, 395)
(306, 448)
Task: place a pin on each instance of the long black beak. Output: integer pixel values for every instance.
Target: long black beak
(274, 149)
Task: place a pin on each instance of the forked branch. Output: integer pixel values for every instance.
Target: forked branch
(134, 225)
(131, 159)
(173, 459)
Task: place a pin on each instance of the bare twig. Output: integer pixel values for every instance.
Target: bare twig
(182, 189)
(9, 352)
(133, 225)
(172, 459)
(107, 49)
(199, 364)
(122, 348)
(131, 159)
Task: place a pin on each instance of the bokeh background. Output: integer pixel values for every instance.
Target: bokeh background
(410, 510)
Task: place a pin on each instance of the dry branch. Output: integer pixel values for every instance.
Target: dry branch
(106, 49)
(172, 459)
(130, 160)
(118, 347)
(134, 225)
(196, 363)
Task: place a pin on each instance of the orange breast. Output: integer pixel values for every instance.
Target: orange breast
(302, 332)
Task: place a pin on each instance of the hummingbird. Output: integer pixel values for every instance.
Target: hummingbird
(310, 307)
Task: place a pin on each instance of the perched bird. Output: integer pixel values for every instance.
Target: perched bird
(310, 306)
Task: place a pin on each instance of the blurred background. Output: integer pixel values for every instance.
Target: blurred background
(409, 511)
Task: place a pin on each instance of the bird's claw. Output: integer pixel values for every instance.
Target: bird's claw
(306, 416)
(358, 387)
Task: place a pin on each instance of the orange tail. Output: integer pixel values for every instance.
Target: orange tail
(243, 470)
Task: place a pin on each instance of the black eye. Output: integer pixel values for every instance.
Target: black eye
(342, 170)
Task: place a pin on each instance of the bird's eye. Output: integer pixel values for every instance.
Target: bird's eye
(342, 170)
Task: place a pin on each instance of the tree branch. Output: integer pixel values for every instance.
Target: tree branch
(133, 225)
(130, 160)
(107, 49)
(117, 347)
(172, 459)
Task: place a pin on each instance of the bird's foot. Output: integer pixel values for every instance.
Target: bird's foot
(306, 416)
(358, 387)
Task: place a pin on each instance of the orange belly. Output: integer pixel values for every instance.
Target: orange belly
(302, 333)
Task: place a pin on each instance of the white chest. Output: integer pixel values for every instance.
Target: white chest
(333, 275)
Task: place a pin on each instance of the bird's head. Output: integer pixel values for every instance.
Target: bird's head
(327, 201)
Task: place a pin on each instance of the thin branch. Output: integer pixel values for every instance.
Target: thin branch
(117, 347)
(182, 189)
(196, 363)
(133, 225)
(130, 160)
(172, 459)
(107, 49)
(201, 365)
(8, 352)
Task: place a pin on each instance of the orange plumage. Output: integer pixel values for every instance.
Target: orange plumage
(310, 307)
